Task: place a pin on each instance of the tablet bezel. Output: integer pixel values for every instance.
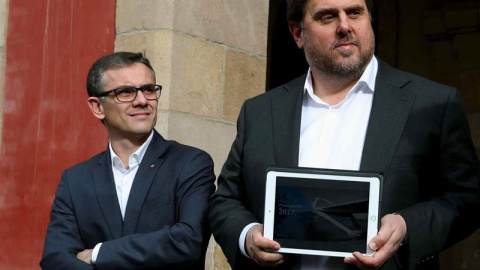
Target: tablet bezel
(375, 180)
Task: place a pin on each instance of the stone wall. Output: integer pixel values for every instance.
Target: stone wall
(209, 56)
(3, 33)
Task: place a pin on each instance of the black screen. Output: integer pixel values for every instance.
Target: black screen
(321, 214)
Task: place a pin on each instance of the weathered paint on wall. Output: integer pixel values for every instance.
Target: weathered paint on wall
(47, 126)
(3, 24)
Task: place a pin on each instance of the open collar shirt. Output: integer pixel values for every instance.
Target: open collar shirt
(332, 137)
(124, 177)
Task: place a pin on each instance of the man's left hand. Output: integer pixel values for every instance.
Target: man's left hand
(393, 231)
(85, 255)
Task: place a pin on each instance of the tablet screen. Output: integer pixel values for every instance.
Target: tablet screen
(321, 214)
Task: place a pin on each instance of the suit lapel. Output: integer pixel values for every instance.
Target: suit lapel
(390, 110)
(107, 195)
(146, 173)
(286, 115)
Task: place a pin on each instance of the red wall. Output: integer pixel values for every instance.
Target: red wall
(47, 126)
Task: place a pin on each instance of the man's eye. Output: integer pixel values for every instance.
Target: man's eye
(148, 89)
(125, 91)
(355, 14)
(326, 18)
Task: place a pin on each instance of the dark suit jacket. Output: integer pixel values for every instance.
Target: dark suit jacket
(417, 136)
(165, 225)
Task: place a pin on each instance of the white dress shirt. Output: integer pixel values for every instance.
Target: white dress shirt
(332, 137)
(124, 179)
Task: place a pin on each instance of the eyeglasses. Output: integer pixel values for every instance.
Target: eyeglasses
(129, 93)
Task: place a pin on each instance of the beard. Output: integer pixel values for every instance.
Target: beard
(349, 66)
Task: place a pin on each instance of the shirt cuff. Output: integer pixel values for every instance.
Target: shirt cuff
(241, 240)
(95, 251)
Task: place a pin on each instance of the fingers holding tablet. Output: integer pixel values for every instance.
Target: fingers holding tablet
(392, 233)
(262, 250)
(366, 262)
(370, 262)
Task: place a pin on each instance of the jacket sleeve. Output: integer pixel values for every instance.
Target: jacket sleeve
(437, 223)
(62, 241)
(179, 245)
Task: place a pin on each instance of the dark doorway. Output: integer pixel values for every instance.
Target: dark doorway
(284, 60)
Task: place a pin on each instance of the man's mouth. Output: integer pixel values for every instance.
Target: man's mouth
(139, 114)
(345, 44)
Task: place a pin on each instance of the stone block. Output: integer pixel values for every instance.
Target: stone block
(221, 262)
(213, 137)
(162, 123)
(3, 22)
(209, 261)
(239, 24)
(197, 75)
(157, 46)
(245, 77)
(215, 259)
(466, 46)
(144, 15)
(461, 15)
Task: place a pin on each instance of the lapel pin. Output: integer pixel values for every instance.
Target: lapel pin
(153, 165)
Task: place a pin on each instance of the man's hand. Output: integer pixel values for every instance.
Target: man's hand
(393, 231)
(256, 246)
(85, 255)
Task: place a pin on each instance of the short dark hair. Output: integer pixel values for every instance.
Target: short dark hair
(112, 61)
(296, 9)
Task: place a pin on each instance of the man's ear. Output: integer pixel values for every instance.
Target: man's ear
(96, 107)
(296, 32)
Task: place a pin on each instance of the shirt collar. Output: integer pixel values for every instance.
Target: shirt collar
(134, 158)
(368, 79)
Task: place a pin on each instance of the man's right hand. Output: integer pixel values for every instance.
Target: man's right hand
(256, 246)
(85, 255)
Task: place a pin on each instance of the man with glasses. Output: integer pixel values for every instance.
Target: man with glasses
(143, 202)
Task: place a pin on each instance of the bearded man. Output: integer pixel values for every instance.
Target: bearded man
(352, 111)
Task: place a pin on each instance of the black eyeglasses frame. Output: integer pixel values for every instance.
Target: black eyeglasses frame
(141, 89)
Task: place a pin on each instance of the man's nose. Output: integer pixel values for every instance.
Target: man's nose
(140, 99)
(344, 27)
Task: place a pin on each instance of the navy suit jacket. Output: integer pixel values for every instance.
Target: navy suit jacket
(165, 224)
(417, 136)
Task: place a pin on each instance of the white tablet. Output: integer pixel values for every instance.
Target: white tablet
(322, 212)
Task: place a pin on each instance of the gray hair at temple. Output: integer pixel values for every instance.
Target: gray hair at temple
(296, 10)
(95, 82)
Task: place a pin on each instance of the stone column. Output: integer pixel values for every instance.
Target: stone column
(209, 56)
